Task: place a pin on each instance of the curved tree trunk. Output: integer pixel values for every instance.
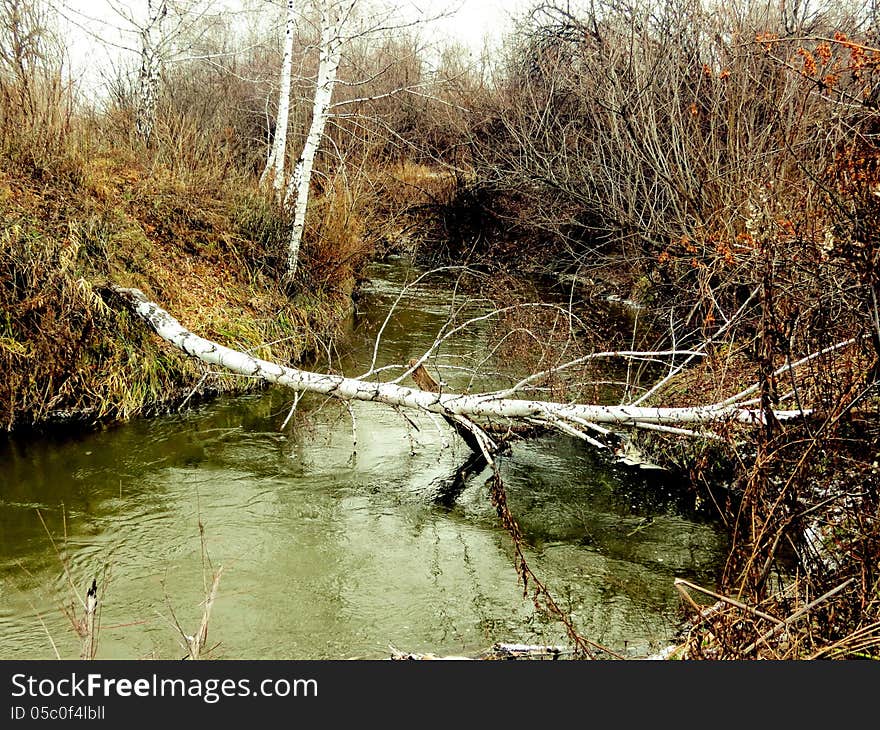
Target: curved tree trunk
(298, 188)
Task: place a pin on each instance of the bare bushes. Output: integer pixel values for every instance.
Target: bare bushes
(630, 132)
(36, 102)
(722, 164)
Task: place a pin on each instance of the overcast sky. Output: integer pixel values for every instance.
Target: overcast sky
(473, 19)
(94, 38)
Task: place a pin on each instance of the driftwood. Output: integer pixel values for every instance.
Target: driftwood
(398, 655)
(499, 651)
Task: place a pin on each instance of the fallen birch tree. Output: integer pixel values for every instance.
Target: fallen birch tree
(461, 409)
(572, 418)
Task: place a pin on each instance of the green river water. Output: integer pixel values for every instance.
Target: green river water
(331, 550)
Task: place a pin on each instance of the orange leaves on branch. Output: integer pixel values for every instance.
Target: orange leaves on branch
(858, 59)
(787, 227)
(827, 59)
(768, 40)
(722, 248)
(831, 80)
(745, 240)
(810, 67)
(714, 250)
(861, 60)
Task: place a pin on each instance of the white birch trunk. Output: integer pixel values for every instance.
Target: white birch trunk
(298, 187)
(566, 417)
(276, 159)
(150, 72)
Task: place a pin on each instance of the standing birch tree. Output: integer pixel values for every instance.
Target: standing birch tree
(152, 36)
(275, 160)
(334, 15)
(337, 28)
(158, 32)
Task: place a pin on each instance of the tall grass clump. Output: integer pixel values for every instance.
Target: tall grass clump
(36, 99)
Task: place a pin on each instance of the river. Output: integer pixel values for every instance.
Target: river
(332, 549)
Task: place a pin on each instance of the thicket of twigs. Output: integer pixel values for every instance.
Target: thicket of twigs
(720, 164)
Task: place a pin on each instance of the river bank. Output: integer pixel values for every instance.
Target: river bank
(208, 251)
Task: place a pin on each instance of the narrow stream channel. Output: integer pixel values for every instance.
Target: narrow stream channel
(331, 551)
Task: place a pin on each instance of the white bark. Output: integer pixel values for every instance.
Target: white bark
(332, 20)
(149, 75)
(567, 417)
(275, 162)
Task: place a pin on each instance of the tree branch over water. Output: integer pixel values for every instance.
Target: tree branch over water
(571, 418)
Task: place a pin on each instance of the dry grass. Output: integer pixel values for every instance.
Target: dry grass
(96, 211)
(82, 203)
